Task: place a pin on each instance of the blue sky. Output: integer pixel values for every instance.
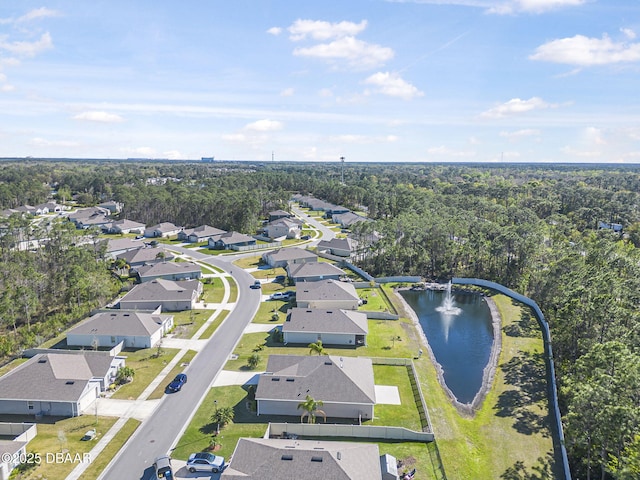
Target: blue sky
(370, 80)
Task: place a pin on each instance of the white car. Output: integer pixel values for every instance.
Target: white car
(205, 462)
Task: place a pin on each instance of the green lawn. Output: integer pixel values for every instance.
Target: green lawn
(56, 436)
(376, 300)
(404, 415)
(188, 322)
(382, 342)
(147, 366)
(98, 464)
(266, 310)
(213, 292)
(215, 324)
(248, 262)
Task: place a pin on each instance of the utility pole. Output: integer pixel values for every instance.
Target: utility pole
(342, 175)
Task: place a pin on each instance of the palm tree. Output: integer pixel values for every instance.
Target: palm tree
(316, 347)
(311, 408)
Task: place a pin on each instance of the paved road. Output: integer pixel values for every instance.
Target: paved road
(158, 434)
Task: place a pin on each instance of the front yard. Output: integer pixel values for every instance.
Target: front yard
(147, 364)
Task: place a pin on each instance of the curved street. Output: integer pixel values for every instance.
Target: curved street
(160, 432)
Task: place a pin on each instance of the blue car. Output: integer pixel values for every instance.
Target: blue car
(177, 383)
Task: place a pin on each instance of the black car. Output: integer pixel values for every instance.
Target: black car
(177, 383)
(256, 284)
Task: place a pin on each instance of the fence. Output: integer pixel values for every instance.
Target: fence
(553, 390)
(315, 430)
(21, 432)
(260, 246)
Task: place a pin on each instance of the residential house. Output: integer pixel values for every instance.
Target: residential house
(133, 329)
(272, 458)
(13, 445)
(48, 207)
(124, 226)
(162, 230)
(117, 246)
(169, 295)
(285, 256)
(57, 384)
(230, 241)
(335, 210)
(199, 234)
(168, 271)
(90, 217)
(344, 384)
(278, 214)
(328, 295)
(332, 327)
(113, 206)
(346, 220)
(341, 247)
(283, 228)
(313, 272)
(146, 256)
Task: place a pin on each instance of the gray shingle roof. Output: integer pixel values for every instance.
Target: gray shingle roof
(144, 255)
(326, 321)
(54, 376)
(168, 268)
(269, 459)
(326, 290)
(313, 269)
(292, 253)
(162, 290)
(325, 377)
(121, 323)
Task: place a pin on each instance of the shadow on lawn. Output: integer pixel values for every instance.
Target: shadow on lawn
(526, 326)
(543, 470)
(526, 372)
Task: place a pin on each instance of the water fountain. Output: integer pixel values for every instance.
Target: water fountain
(448, 306)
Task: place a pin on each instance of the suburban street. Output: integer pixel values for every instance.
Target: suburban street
(162, 430)
(159, 433)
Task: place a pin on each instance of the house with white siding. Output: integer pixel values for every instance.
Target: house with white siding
(331, 327)
(344, 384)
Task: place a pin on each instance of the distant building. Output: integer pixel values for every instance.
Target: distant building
(169, 295)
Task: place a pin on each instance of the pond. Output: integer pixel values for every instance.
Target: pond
(460, 340)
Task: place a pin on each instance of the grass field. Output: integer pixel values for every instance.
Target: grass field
(215, 324)
(147, 365)
(187, 323)
(57, 437)
(98, 464)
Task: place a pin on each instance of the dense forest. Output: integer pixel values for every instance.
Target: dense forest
(533, 228)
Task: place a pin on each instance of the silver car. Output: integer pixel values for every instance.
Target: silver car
(205, 462)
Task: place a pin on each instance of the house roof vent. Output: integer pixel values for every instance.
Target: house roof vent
(316, 459)
(286, 457)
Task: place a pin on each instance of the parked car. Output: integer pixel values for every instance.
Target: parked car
(162, 466)
(178, 382)
(305, 237)
(256, 284)
(205, 462)
(278, 296)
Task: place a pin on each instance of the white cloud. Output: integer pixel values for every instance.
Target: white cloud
(28, 49)
(287, 92)
(532, 6)
(364, 139)
(7, 87)
(325, 92)
(41, 12)
(580, 153)
(274, 31)
(41, 142)
(356, 52)
(594, 136)
(234, 137)
(102, 117)
(525, 132)
(503, 7)
(516, 106)
(264, 125)
(630, 34)
(584, 51)
(174, 155)
(146, 152)
(321, 30)
(442, 150)
(393, 85)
